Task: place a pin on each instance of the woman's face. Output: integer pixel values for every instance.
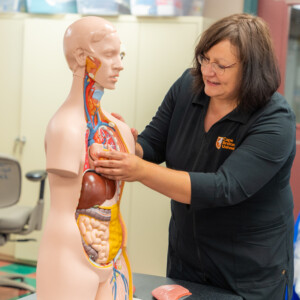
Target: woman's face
(217, 85)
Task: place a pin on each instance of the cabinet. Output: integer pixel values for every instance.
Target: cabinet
(35, 80)
(10, 90)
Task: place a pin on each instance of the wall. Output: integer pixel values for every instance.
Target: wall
(37, 76)
(35, 80)
(216, 9)
(276, 14)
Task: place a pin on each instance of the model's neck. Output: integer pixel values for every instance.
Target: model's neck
(98, 92)
(92, 94)
(76, 91)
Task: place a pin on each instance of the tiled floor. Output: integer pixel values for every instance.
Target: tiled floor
(9, 268)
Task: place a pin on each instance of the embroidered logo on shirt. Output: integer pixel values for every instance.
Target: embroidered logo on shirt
(219, 142)
(225, 143)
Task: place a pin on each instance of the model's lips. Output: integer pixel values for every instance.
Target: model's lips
(114, 77)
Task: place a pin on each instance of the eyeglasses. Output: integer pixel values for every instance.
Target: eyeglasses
(217, 68)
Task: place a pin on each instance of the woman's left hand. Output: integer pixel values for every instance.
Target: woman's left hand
(117, 165)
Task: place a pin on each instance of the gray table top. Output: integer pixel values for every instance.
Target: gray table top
(144, 285)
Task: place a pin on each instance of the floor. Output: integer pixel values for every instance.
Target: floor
(27, 271)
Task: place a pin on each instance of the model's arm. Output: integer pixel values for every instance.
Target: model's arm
(64, 147)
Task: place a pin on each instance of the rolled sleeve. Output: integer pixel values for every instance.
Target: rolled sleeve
(203, 188)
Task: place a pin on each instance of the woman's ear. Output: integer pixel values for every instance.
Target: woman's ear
(80, 57)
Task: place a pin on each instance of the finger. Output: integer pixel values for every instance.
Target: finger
(109, 173)
(134, 133)
(117, 116)
(108, 164)
(109, 176)
(112, 154)
(115, 178)
(113, 174)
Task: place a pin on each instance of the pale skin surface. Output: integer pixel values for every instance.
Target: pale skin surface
(63, 270)
(171, 183)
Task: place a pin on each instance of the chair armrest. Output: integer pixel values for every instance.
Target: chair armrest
(36, 218)
(37, 175)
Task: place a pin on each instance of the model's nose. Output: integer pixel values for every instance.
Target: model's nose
(118, 64)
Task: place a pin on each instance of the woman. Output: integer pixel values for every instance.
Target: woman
(228, 140)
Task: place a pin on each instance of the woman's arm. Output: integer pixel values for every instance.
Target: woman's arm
(268, 145)
(128, 167)
(139, 150)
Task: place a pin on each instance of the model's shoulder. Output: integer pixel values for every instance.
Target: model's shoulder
(66, 122)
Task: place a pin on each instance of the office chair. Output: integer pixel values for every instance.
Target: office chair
(15, 219)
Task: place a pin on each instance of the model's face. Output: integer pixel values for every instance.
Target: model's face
(222, 86)
(108, 52)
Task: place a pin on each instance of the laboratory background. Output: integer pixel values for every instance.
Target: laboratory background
(158, 38)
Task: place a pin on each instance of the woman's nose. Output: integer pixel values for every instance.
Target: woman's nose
(208, 70)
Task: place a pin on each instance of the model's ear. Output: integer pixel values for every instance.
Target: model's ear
(80, 57)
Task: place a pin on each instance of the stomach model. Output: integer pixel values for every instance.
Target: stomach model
(101, 227)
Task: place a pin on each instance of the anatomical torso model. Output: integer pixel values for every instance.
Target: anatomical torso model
(83, 250)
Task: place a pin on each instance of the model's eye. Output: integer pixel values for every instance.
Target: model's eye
(122, 54)
(108, 54)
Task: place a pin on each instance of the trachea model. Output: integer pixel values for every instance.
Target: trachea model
(83, 250)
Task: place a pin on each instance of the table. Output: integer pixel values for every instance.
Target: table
(144, 284)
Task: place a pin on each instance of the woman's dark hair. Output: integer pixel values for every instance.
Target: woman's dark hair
(260, 72)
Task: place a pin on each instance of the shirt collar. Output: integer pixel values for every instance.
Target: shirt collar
(236, 116)
(200, 98)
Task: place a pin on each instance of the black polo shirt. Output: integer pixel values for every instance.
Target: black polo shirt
(237, 232)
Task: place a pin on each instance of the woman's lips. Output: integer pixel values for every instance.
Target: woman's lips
(212, 83)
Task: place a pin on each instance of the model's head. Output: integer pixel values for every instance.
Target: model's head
(253, 53)
(93, 39)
